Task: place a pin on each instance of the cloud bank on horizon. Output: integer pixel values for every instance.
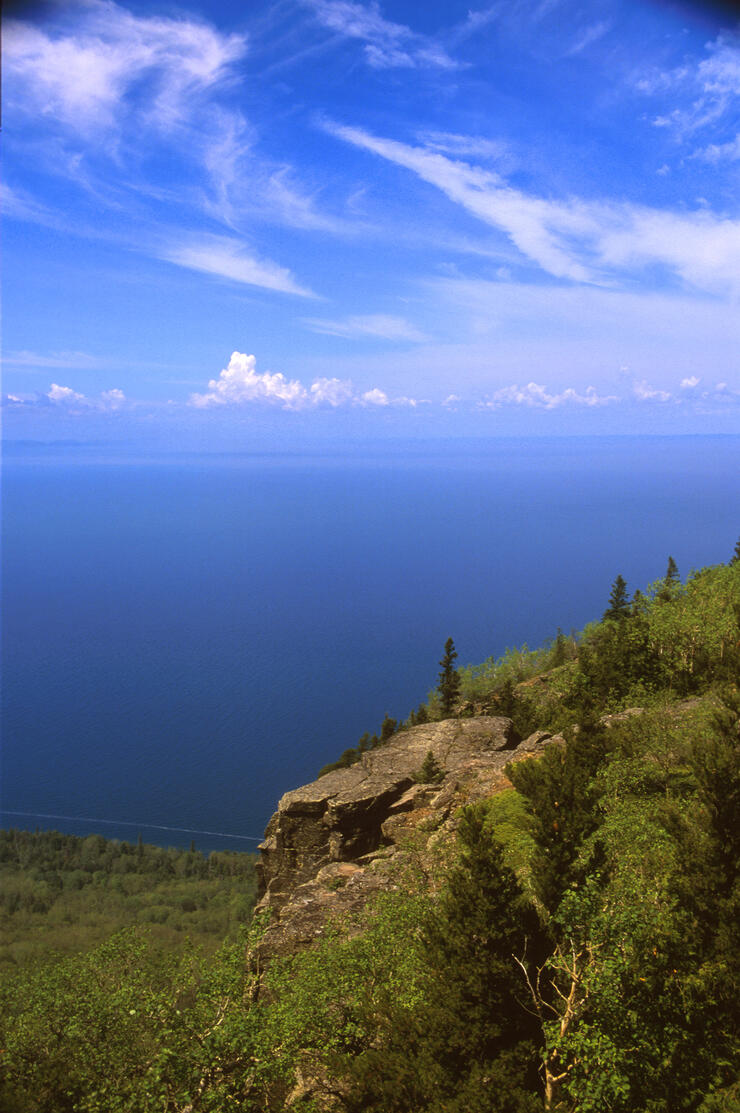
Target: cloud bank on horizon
(515, 209)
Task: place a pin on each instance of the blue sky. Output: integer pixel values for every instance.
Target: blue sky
(233, 224)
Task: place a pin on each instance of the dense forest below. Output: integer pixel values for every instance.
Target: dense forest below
(64, 894)
(576, 948)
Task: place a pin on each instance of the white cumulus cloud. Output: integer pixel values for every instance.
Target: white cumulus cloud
(538, 396)
(68, 398)
(241, 383)
(64, 394)
(333, 392)
(644, 392)
(113, 398)
(375, 397)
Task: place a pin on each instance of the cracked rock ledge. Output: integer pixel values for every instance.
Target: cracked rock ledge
(334, 843)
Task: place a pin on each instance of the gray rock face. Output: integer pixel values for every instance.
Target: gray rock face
(340, 817)
(335, 843)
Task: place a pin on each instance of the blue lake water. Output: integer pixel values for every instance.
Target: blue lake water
(186, 638)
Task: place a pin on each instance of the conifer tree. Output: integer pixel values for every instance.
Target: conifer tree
(736, 555)
(431, 771)
(471, 1044)
(449, 679)
(670, 580)
(387, 729)
(618, 600)
(558, 649)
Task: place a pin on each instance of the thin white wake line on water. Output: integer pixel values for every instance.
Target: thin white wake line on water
(129, 823)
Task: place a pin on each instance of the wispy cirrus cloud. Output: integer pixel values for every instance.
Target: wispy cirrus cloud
(379, 326)
(589, 35)
(386, 44)
(707, 92)
(93, 73)
(465, 146)
(227, 258)
(576, 239)
(241, 383)
(138, 112)
(38, 361)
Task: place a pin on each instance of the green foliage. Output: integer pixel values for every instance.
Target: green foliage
(469, 1044)
(559, 653)
(64, 893)
(513, 826)
(638, 996)
(516, 706)
(678, 639)
(561, 797)
(324, 1004)
(481, 682)
(126, 1029)
(618, 600)
(388, 728)
(431, 772)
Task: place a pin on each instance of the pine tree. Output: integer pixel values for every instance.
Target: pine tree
(618, 600)
(736, 555)
(562, 798)
(559, 655)
(470, 1046)
(387, 729)
(431, 771)
(449, 679)
(670, 580)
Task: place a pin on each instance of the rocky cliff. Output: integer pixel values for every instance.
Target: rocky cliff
(334, 842)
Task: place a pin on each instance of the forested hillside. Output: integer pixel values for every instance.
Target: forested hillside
(576, 948)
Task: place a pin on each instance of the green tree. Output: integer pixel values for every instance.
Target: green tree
(559, 650)
(670, 582)
(470, 1045)
(618, 600)
(388, 728)
(735, 559)
(431, 772)
(449, 679)
(562, 799)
